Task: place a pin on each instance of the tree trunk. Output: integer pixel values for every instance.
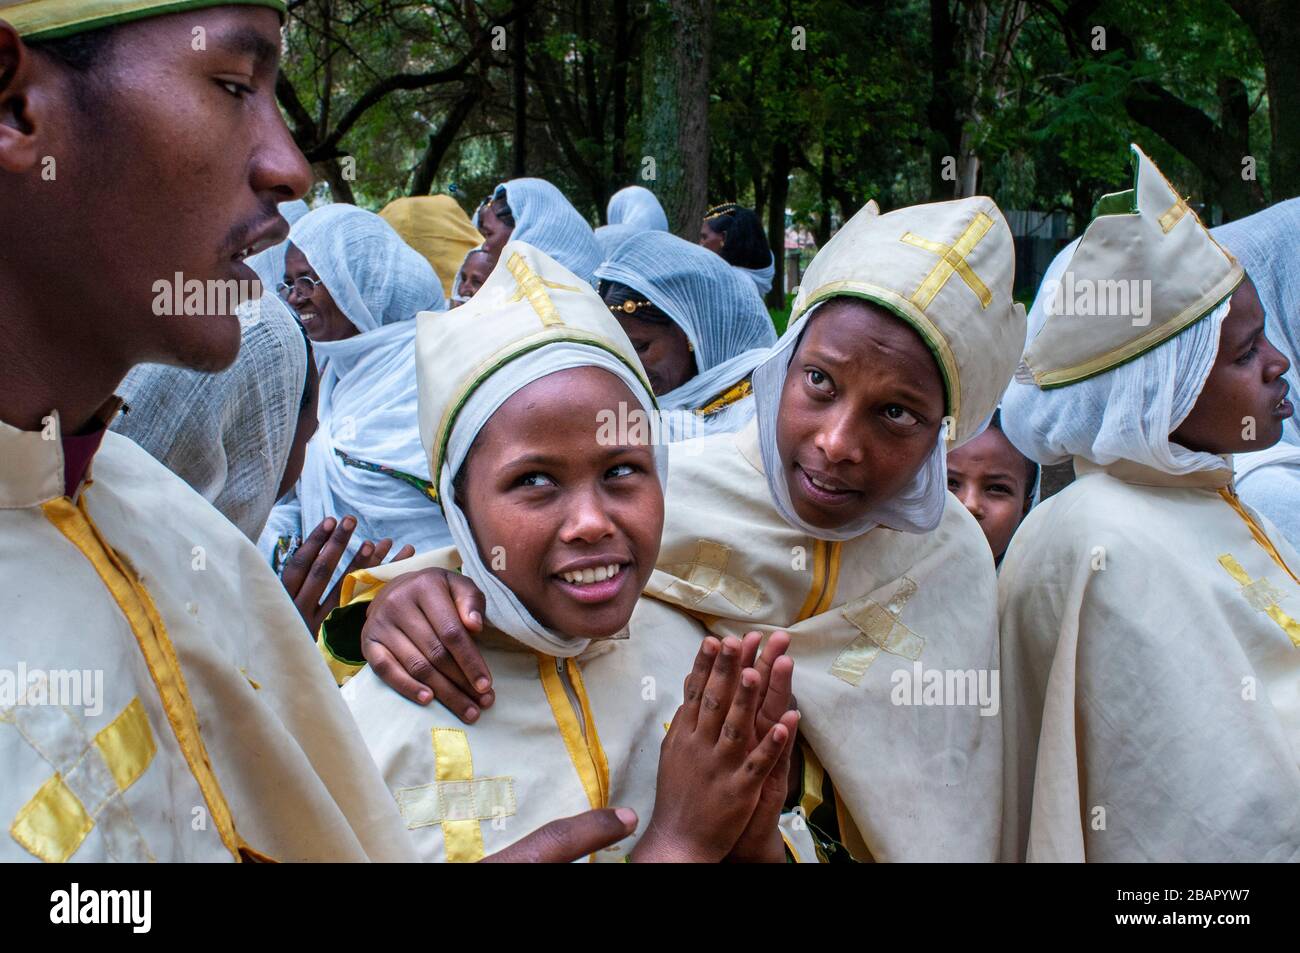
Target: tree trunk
(622, 55)
(1277, 31)
(340, 188)
(675, 108)
(518, 56)
(945, 123)
(440, 142)
(778, 193)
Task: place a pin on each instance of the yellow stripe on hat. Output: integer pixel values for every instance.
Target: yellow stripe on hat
(54, 19)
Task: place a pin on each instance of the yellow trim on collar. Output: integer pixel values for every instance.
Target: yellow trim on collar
(156, 648)
(584, 748)
(731, 395)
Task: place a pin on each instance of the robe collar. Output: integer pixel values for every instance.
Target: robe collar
(747, 443)
(37, 466)
(1129, 472)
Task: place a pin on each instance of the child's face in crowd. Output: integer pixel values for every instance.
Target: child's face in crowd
(991, 478)
(473, 273)
(553, 511)
(860, 412)
(494, 231)
(1243, 404)
(664, 351)
(321, 318)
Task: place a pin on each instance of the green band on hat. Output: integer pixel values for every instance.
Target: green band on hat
(37, 20)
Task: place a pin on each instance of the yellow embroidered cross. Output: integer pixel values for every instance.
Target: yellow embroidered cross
(86, 787)
(1262, 596)
(533, 287)
(1175, 214)
(952, 259)
(457, 800)
(881, 631)
(707, 574)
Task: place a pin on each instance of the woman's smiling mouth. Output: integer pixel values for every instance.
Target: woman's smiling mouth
(593, 584)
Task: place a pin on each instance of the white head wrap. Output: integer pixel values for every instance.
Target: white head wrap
(532, 317)
(548, 221)
(1267, 244)
(227, 434)
(1126, 413)
(973, 329)
(609, 237)
(761, 277)
(720, 312)
(367, 403)
(917, 509)
(504, 609)
(638, 207)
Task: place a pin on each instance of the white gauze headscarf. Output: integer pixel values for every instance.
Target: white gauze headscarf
(1126, 413)
(504, 610)
(720, 312)
(548, 221)
(637, 206)
(226, 434)
(368, 397)
(761, 277)
(1268, 246)
(917, 509)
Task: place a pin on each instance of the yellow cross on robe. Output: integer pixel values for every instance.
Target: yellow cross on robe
(457, 800)
(84, 789)
(1263, 597)
(952, 260)
(881, 631)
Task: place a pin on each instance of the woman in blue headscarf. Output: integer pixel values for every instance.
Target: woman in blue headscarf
(699, 328)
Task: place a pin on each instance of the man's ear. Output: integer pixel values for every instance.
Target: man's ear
(19, 127)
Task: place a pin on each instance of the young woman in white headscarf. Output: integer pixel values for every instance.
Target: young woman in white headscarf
(1150, 648)
(827, 516)
(698, 327)
(560, 529)
(1268, 246)
(535, 211)
(356, 287)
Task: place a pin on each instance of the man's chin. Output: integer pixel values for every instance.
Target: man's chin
(206, 343)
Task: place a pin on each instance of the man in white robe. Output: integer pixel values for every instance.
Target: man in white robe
(160, 699)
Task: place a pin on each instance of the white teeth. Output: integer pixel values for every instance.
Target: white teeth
(585, 577)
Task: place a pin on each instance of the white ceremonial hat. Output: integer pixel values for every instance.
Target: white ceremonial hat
(1144, 270)
(528, 301)
(947, 270)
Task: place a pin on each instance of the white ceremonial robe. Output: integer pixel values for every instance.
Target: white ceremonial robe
(1151, 665)
(893, 636)
(564, 736)
(211, 729)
